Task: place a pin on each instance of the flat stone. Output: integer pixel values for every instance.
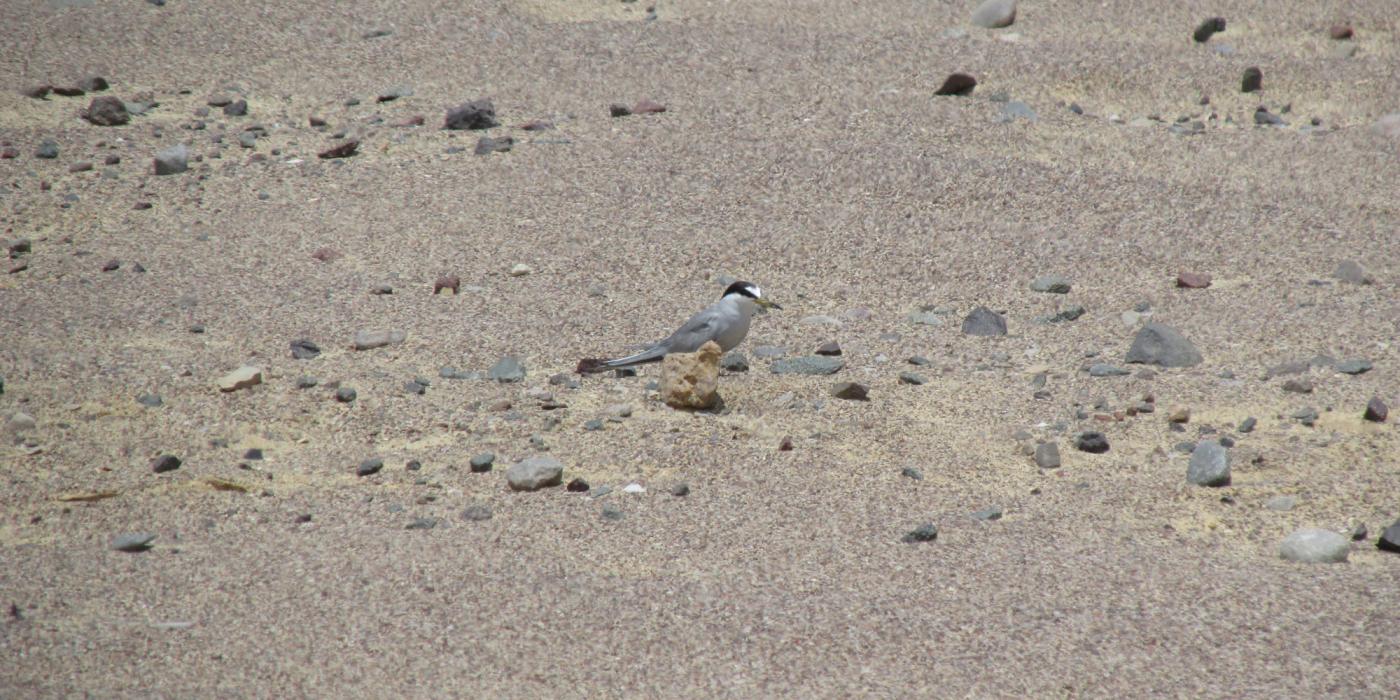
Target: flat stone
(993, 513)
(1160, 344)
(369, 340)
(1306, 415)
(369, 466)
(150, 400)
(1356, 366)
(1390, 538)
(1315, 545)
(422, 524)
(476, 513)
(241, 378)
(912, 378)
(1047, 455)
(984, 322)
(1210, 465)
(304, 350)
(1351, 272)
(851, 391)
(1050, 284)
(520, 270)
(535, 473)
(482, 462)
(1298, 386)
(994, 14)
(927, 532)
(133, 542)
(831, 349)
(814, 365)
(912, 473)
(506, 370)
(1208, 28)
(345, 394)
(734, 361)
(1102, 369)
(1247, 425)
(107, 111)
(959, 84)
(1192, 280)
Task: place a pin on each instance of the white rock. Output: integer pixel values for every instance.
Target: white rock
(994, 14)
(634, 488)
(520, 270)
(1315, 545)
(241, 378)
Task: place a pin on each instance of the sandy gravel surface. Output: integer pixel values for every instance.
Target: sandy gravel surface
(801, 148)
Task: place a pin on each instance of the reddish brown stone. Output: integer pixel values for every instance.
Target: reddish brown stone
(1341, 32)
(1193, 280)
(449, 282)
(327, 254)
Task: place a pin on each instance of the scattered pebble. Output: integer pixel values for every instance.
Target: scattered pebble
(830, 349)
(958, 84)
(172, 160)
(535, 473)
(1208, 28)
(345, 394)
(611, 513)
(734, 361)
(814, 365)
(477, 114)
(306, 382)
(369, 340)
(303, 349)
(1047, 455)
(1092, 442)
(1016, 109)
(616, 110)
(342, 150)
(1263, 117)
(1390, 538)
(984, 322)
(680, 490)
(241, 378)
(1247, 425)
(133, 542)
(851, 391)
(1376, 410)
(1192, 280)
(1298, 386)
(165, 463)
(993, 513)
(47, 150)
(1252, 81)
(927, 532)
(593, 424)
(486, 145)
(912, 378)
(1356, 366)
(1281, 503)
(107, 111)
(1341, 32)
(1050, 284)
(994, 14)
(482, 462)
(577, 486)
(506, 370)
(645, 106)
(452, 283)
(1351, 272)
(236, 108)
(1210, 465)
(520, 270)
(476, 513)
(150, 400)
(413, 386)
(1306, 415)
(1314, 545)
(1103, 369)
(1160, 344)
(369, 466)
(912, 473)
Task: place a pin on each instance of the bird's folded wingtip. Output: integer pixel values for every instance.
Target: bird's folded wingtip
(590, 365)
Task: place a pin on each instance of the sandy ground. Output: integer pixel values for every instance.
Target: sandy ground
(802, 149)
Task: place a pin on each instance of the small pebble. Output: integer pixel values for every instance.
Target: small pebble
(476, 513)
(369, 466)
(165, 463)
(927, 532)
(1092, 442)
(482, 462)
(1315, 545)
(345, 394)
(611, 513)
(577, 486)
(1376, 410)
(133, 542)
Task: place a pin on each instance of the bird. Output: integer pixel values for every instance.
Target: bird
(726, 322)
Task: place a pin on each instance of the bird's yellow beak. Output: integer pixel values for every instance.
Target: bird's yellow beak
(767, 304)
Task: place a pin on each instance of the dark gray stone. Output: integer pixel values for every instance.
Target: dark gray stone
(165, 463)
(1247, 425)
(173, 160)
(1376, 410)
(150, 400)
(345, 394)
(734, 361)
(851, 391)
(912, 378)
(371, 465)
(1092, 442)
(1047, 455)
(236, 108)
(482, 462)
(476, 513)
(984, 322)
(47, 150)
(486, 145)
(1050, 284)
(306, 382)
(1103, 369)
(814, 365)
(304, 350)
(422, 524)
(680, 490)
(1354, 366)
(107, 111)
(1210, 465)
(1160, 344)
(1208, 28)
(993, 513)
(1252, 81)
(1306, 415)
(133, 542)
(912, 473)
(477, 114)
(927, 532)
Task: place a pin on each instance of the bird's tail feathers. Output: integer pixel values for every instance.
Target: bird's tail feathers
(591, 366)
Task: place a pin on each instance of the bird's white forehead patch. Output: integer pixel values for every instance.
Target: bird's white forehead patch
(756, 291)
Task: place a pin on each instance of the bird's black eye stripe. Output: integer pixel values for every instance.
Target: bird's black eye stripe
(742, 289)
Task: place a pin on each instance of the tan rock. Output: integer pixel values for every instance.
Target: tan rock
(691, 379)
(241, 378)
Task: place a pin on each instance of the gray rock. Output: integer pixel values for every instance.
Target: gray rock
(1356, 366)
(306, 382)
(1315, 545)
(133, 542)
(1050, 284)
(47, 150)
(1016, 109)
(984, 322)
(851, 391)
(345, 394)
(912, 473)
(236, 108)
(1306, 415)
(476, 513)
(994, 14)
(477, 114)
(248, 139)
(734, 361)
(150, 400)
(1071, 313)
(1351, 272)
(165, 463)
(506, 370)
(768, 351)
(1160, 344)
(304, 350)
(593, 424)
(371, 465)
(1247, 425)
(454, 373)
(482, 462)
(680, 490)
(927, 532)
(422, 524)
(1047, 455)
(912, 378)
(611, 513)
(814, 365)
(993, 513)
(173, 160)
(1103, 369)
(1390, 538)
(926, 318)
(414, 387)
(1298, 386)
(1210, 465)
(535, 473)
(369, 340)
(486, 145)
(1281, 503)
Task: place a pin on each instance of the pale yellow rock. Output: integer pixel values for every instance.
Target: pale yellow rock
(241, 378)
(691, 379)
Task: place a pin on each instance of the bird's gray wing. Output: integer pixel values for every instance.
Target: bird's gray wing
(701, 327)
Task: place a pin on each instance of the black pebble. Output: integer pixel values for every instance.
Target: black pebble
(1252, 81)
(165, 463)
(1208, 28)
